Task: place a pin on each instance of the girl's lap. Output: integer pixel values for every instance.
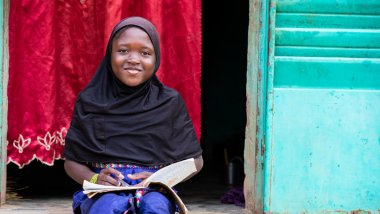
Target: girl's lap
(120, 202)
(146, 201)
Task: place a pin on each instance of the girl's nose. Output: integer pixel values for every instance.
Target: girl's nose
(133, 57)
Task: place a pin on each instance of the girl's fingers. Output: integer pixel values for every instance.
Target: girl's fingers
(108, 179)
(112, 171)
(116, 173)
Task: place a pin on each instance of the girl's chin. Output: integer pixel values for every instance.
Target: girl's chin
(133, 83)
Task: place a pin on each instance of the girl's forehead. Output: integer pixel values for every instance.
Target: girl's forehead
(130, 31)
(133, 34)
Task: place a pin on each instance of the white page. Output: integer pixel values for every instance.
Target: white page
(91, 187)
(169, 175)
(174, 173)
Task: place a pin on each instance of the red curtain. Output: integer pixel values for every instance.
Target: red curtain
(55, 47)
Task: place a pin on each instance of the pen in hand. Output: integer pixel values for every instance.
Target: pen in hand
(123, 183)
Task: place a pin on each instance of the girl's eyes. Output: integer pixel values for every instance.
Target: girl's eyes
(145, 53)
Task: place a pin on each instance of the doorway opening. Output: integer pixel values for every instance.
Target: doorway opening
(224, 68)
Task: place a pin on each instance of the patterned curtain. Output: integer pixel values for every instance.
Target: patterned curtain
(55, 47)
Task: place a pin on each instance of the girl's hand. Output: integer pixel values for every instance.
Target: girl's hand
(109, 177)
(141, 175)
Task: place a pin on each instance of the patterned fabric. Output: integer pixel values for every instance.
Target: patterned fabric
(122, 165)
(138, 197)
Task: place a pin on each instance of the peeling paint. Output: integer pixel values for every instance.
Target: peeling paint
(253, 185)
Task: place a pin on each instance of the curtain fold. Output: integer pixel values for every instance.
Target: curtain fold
(55, 47)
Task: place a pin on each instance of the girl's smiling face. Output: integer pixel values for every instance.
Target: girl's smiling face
(133, 58)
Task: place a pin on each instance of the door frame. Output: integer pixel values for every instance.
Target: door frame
(4, 100)
(260, 54)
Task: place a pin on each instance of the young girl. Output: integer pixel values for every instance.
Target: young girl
(126, 125)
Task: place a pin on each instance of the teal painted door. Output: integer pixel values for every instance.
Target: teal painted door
(322, 147)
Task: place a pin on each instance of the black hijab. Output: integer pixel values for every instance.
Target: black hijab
(145, 125)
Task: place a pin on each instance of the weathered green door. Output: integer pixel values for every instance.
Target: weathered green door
(323, 111)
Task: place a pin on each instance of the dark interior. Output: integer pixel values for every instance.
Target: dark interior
(224, 64)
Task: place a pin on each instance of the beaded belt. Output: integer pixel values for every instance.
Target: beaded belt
(123, 165)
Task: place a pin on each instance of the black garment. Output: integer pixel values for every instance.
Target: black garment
(144, 125)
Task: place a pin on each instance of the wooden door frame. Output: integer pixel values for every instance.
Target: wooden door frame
(4, 101)
(259, 74)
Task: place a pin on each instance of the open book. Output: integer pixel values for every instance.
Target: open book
(166, 177)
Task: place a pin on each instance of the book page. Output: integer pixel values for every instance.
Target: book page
(169, 175)
(89, 187)
(174, 173)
